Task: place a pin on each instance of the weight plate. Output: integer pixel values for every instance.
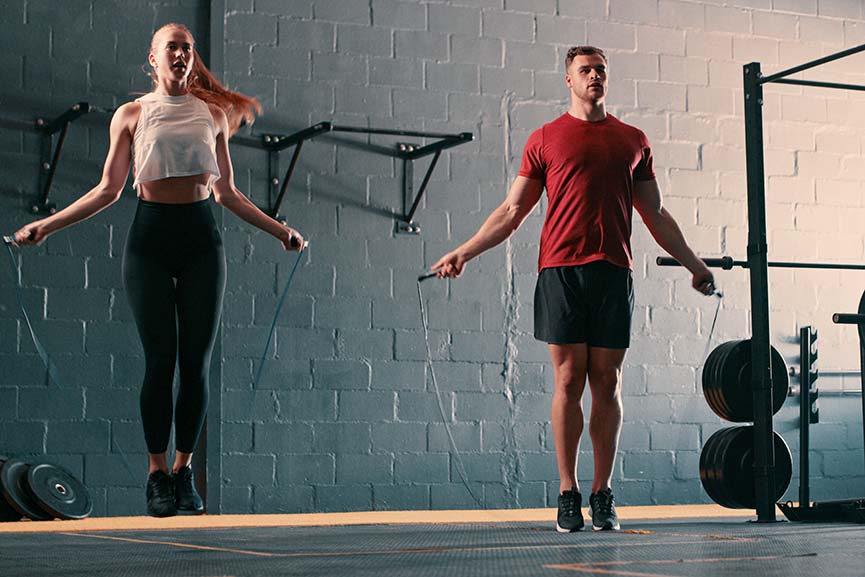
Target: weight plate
(13, 484)
(727, 467)
(712, 379)
(58, 492)
(7, 513)
(727, 381)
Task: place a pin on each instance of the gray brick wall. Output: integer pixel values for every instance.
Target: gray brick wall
(346, 416)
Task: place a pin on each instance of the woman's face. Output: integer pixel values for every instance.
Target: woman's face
(171, 55)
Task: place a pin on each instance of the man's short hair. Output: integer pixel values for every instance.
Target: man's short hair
(575, 51)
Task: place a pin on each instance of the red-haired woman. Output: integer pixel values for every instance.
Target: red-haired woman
(174, 264)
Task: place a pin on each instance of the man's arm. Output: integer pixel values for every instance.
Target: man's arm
(668, 235)
(522, 197)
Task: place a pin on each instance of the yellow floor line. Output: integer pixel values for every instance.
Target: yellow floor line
(359, 518)
(383, 552)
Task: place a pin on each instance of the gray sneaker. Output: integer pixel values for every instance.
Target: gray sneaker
(603, 508)
(186, 497)
(570, 517)
(160, 495)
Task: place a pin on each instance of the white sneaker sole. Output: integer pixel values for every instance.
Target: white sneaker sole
(615, 527)
(561, 529)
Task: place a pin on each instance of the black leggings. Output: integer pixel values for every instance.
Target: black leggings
(174, 274)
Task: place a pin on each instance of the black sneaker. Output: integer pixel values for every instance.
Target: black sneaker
(186, 497)
(603, 509)
(570, 517)
(160, 495)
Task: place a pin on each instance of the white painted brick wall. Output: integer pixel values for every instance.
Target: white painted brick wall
(454, 65)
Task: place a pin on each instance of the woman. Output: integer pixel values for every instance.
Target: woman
(173, 265)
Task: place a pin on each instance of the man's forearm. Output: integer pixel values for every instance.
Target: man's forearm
(495, 230)
(668, 235)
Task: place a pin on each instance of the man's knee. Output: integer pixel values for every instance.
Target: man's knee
(606, 384)
(570, 380)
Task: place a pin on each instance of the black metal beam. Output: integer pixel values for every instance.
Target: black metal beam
(288, 173)
(848, 319)
(761, 366)
(408, 217)
(276, 142)
(807, 65)
(390, 132)
(407, 152)
(727, 263)
(56, 124)
(439, 146)
(820, 84)
(805, 417)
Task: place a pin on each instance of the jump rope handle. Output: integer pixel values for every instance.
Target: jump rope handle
(11, 238)
(294, 242)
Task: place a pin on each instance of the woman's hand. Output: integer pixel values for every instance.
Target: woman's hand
(291, 239)
(33, 233)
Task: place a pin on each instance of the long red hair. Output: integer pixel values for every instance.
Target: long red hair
(203, 84)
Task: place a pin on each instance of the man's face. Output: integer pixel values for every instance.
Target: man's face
(587, 78)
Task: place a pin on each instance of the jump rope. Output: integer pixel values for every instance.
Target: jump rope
(456, 453)
(51, 368)
(460, 467)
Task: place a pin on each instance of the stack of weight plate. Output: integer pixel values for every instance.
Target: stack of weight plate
(727, 381)
(40, 492)
(727, 467)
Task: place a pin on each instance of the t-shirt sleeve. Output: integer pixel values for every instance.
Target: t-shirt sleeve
(533, 165)
(646, 167)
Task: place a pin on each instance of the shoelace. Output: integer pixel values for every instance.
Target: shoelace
(604, 502)
(569, 501)
(184, 480)
(162, 486)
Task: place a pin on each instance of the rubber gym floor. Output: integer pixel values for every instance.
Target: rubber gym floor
(703, 540)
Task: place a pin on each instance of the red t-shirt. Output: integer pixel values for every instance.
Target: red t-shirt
(588, 169)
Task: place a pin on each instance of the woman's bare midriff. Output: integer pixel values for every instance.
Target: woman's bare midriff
(176, 190)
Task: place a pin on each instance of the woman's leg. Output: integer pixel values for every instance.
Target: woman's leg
(150, 290)
(151, 294)
(200, 289)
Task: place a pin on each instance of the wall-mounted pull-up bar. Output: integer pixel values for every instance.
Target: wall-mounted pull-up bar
(49, 155)
(273, 144)
(761, 365)
(408, 153)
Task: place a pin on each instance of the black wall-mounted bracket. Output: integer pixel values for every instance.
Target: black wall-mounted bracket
(273, 144)
(49, 155)
(407, 152)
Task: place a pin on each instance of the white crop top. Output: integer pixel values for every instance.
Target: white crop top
(175, 136)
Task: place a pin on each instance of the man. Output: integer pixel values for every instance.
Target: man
(595, 169)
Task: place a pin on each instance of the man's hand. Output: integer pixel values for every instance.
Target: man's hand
(703, 281)
(450, 265)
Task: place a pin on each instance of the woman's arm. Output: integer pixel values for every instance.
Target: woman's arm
(114, 174)
(227, 194)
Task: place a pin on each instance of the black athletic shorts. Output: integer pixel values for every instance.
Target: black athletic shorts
(591, 303)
